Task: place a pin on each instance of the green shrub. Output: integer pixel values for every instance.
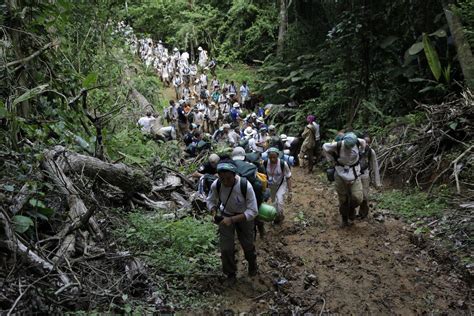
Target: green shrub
(182, 246)
(411, 204)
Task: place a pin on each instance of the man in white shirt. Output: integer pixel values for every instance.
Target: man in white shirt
(146, 122)
(345, 156)
(202, 57)
(244, 93)
(233, 203)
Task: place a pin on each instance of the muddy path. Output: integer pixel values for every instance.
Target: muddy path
(370, 268)
(310, 264)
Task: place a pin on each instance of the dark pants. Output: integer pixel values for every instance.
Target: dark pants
(245, 234)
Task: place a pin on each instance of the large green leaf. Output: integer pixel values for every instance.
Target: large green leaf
(415, 48)
(432, 57)
(30, 94)
(22, 223)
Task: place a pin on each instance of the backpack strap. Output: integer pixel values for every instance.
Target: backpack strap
(243, 186)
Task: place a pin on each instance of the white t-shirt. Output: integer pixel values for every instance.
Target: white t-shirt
(275, 174)
(198, 118)
(146, 123)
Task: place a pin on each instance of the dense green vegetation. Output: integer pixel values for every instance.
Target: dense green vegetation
(354, 64)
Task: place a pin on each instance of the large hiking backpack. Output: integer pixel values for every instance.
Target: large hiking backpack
(330, 172)
(206, 182)
(247, 173)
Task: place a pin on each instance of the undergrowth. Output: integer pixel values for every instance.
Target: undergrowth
(182, 246)
(238, 73)
(412, 204)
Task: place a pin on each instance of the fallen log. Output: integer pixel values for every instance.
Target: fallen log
(78, 211)
(135, 95)
(120, 175)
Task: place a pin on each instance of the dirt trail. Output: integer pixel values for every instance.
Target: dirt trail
(371, 267)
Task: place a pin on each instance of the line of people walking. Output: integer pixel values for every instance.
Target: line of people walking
(257, 167)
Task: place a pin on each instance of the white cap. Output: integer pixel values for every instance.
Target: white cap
(236, 105)
(283, 137)
(271, 127)
(214, 158)
(238, 153)
(249, 131)
(254, 115)
(159, 41)
(226, 126)
(260, 120)
(199, 48)
(175, 49)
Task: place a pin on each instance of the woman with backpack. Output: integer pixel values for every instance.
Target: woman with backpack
(279, 181)
(309, 144)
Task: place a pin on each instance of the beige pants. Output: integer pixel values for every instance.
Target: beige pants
(347, 205)
(342, 189)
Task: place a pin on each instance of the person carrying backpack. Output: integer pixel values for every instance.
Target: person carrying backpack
(309, 143)
(233, 204)
(279, 181)
(369, 168)
(345, 156)
(251, 173)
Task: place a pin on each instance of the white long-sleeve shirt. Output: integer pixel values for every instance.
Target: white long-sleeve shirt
(237, 203)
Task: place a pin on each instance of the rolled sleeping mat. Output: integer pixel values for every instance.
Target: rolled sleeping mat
(267, 212)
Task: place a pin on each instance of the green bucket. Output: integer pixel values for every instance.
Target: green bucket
(267, 212)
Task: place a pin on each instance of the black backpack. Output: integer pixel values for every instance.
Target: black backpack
(203, 94)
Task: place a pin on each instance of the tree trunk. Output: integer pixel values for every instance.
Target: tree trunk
(462, 45)
(120, 175)
(283, 27)
(135, 95)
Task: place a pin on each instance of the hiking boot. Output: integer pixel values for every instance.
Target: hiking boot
(364, 210)
(230, 280)
(253, 269)
(352, 213)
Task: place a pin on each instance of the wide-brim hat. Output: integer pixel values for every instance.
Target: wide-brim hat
(226, 166)
(249, 131)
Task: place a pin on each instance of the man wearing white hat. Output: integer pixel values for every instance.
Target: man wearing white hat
(212, 115)
(235, 112)
(176, 54)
